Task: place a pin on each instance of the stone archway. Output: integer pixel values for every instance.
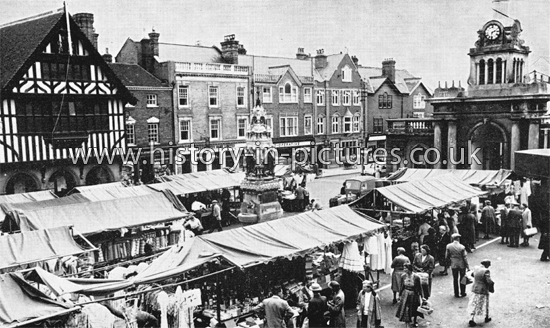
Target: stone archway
(99, 175)
(490, 138)
(21, 182)
(418, 159)
(61, 182)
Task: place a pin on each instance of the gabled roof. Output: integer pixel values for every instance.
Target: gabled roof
(326, 73)
(420, 83)
(187, 53)
(20, 39)
(405, 82)
(135, 75)
(263, 64)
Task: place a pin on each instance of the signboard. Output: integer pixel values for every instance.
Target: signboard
(191, 298)
(292, 144)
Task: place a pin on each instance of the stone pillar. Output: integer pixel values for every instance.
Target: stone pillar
(514, 144)
(437, 141)
(533, 135)
(451, 146)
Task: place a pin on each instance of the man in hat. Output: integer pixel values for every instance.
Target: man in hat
(456, 253)
(368, 306)
(317, 308)
(216, 216)
(488, 218)
(336, 306)
(276, 309)
(479, 300)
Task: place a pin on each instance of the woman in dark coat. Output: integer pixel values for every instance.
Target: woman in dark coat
(467, 229)
(443, 239)
(409, 297)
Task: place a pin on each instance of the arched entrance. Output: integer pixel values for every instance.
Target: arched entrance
(491, 141)
(61, 182)
(21, 182)
(98, 175)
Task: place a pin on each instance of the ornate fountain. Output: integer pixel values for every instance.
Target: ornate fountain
(259, 187)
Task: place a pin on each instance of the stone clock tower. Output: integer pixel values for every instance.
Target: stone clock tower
(500, 111)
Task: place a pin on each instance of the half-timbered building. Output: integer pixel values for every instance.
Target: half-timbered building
(58, 97)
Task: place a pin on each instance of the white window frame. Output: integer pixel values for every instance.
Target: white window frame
(306, 119)
(308, 96)
(269, 123)
(267, 100)
(210, 96)
(346, 74)
(356, 97)
(153, 138)
(320, 97)
(356, 123)
(243, 96)
(190, 129)
(239, 118)
(348, 120)
(335, 97)
(152, 100)
(346, 98)
(321, 124)
(335, 124)
(374, 125)
(419, 101)
(131, 137)
(286, 129)
(288, 98)
(180, 95)
(211, 119)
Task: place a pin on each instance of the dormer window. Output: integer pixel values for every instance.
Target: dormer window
(346, 74)
(288, 93)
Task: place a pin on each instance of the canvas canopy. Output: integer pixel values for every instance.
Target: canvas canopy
(261, 243)
(100, 216)
(39, 245)
(20, 301)
(473, 177)
(111, 191)
(27, 197)
(189, 183)
(421, 195)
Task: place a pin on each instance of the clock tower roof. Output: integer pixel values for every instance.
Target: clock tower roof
(496, 37)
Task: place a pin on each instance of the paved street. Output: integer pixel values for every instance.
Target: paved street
(326, 188)
(522, 285)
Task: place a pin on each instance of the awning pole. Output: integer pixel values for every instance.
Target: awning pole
(219, 299)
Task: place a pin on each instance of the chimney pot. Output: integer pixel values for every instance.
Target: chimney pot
(231, 49)
(388, 69)
(301, 54)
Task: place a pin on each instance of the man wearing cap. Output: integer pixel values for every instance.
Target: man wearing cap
(336, 306)
(479, 300)
(488, 218)
(317, 308)
(368, 306)
(456, 252)
(216, 216)
(276, 309)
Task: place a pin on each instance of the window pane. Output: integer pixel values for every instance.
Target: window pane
(184, 96)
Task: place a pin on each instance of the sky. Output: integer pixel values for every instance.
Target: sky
(429, 38)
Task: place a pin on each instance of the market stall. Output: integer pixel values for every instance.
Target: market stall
(109, 191)
(402, 205)
(25, 249)
(121, 228)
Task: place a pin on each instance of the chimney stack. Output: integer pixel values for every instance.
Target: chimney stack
(154, 37)
(86, 23)
(388, 69)
(301, 54)
(320, 59)
(355, 60)
(230, 49)
(107, 57)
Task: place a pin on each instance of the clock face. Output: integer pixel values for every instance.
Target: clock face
(492, 32)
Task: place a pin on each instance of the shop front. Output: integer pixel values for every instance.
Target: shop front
(299, 147)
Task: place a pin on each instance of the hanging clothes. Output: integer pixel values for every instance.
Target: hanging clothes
(371, 250)
(162, 299)
(388, 242)
(525, 192)
(381, 252)
(351, 258)
(517, 188)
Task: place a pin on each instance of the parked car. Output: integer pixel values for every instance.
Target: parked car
(370, 168)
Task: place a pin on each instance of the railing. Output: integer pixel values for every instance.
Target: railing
(266, 78)
(212, 68)
(411, 126)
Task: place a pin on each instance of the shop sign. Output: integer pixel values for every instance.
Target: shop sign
(292, 144)
(191, 298)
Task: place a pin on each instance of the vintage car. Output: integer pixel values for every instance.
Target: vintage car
(354, 188)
